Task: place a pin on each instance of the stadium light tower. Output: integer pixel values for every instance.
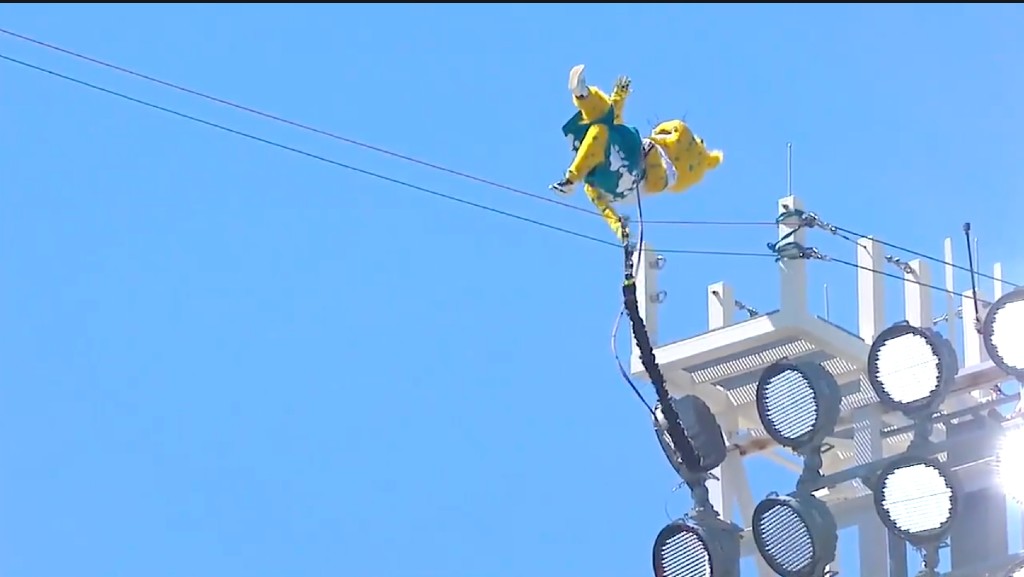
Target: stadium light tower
(911, 369)
(798, 404)
(755, 373)
(700, 544)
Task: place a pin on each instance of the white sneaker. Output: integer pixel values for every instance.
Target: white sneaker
(578, 82)
(564, 187)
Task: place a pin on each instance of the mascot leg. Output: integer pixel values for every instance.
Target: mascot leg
(604, 206)
(594, 106)
(590, 155)
(589, 100)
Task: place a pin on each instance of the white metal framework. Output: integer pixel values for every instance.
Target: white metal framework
(722, 366)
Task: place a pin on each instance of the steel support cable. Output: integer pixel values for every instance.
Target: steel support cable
(917, 254)
(838, 229)
(350, 167)
(938, 260)
(347, 140)
(901, 264)
(893, 276)
(796, 251)
(786, 248)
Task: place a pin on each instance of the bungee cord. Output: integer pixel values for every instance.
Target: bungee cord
(633, 270)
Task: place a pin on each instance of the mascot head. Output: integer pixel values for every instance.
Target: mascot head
(687, 152)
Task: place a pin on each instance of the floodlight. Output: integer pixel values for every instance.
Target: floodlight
(1016, 569)
(796, 535)
(687, 548)
(1010, 463)
(798, 404)
(915, 499)
(1002, 331)
(706, 448)
(911, 368)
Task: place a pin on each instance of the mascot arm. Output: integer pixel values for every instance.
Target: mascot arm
(619, 94)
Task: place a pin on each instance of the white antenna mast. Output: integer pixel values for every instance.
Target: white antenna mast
(789, 169)
(828, 316)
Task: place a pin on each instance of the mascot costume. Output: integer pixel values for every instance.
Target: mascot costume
(613, 161)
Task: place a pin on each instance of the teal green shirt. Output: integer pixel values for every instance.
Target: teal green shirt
(623, 169)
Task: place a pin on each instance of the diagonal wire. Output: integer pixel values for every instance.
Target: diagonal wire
(345, 139)
(924, 256)
(349, 167)
(895, 276)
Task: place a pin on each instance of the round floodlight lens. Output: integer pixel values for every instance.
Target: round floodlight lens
(680, 551)
(1010, 464)
(788, 404)
(798, 403)
(1003, 333)
(785, 540)
(916, 500)
(909, 367)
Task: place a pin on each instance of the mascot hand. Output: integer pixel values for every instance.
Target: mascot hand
(622, 85)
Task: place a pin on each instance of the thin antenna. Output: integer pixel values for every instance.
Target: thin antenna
(970, 265)
(827, 315)
(789, 169)
(977, 260)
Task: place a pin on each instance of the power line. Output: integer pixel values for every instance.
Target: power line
(811, 220)
(109, 65)
(352, 168)
(345, 139)
(890, 275)
(889, 259)
(927, 257)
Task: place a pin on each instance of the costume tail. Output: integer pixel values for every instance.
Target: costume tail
(713, 159)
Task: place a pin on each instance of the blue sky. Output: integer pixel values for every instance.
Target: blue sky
(221, 359)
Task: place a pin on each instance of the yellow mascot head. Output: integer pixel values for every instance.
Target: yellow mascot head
(686, 151)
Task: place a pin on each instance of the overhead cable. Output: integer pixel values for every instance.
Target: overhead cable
(345, 139)
(350, 167)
